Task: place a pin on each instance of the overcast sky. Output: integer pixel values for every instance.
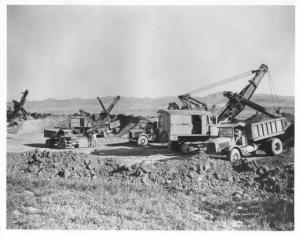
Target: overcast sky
(64, 52)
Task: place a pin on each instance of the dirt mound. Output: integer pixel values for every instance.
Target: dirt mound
(175, 174)
(128, 122)
(188, 175)
(289, 135)
(38, 125)
(276, 180)
(279, 179)
(290, 117)
(258, 117)
(65, 164)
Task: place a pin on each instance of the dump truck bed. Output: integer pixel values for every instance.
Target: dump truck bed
(53, 133)
(267, 129)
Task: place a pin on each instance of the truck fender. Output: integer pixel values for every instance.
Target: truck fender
(229, 149)
(143, 134)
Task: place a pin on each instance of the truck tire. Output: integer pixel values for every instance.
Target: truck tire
(61, 145)
(184, 148)
(188, 148)
(142, 141)
(234, 155)
(48, 143)
(275, 146)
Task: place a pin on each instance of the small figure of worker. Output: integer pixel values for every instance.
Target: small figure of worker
(89, 138)
(94, 139)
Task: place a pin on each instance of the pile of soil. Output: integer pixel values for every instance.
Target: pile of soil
(32, 126)
(195, 174)
(128, 122)
(258, 117)
(46, 164)
(278, 180)
(288, 137)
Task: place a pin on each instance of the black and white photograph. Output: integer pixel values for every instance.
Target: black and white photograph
(149, 117)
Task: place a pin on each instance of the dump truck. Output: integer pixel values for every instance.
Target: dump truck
(194, 123)
(240, 139)
(60, 138)
(80, 124)
(143, 135)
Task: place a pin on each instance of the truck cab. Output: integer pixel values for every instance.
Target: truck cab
(145, 133)
(231, 136)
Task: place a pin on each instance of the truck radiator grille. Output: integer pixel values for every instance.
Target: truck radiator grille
(223, 145)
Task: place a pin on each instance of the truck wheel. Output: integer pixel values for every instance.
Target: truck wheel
(61, 145)
(48, 143)
(142, 141)
(275, 146)
(234, 155)
(185, 148)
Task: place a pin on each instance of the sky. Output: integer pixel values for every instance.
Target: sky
(143, 51)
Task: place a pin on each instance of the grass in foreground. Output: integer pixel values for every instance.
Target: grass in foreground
(82, 204)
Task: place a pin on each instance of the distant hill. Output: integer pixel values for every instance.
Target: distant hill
(140, 106)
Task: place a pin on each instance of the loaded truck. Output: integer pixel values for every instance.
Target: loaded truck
(186, 128)
(240, 139)
(60, 138)
(80, 124)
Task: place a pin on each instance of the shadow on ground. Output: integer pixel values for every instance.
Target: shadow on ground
(36, 145)
(127, 144)
(126, 149)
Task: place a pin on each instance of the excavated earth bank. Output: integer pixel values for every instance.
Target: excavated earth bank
(193, 174)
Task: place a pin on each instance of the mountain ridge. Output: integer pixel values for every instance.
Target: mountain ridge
(135, 105)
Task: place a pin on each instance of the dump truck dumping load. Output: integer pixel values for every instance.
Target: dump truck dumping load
(193, 124)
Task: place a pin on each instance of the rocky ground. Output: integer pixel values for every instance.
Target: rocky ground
(117, 185)
(245, 192)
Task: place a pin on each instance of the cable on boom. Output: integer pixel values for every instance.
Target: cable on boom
(273, 90)
(219, 83)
